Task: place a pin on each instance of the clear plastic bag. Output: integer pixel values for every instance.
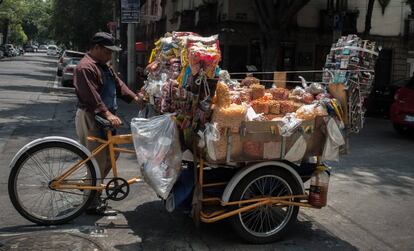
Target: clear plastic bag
(333, 141)
(212, 135)
(158, 151)
(289, 124)
(297, 151)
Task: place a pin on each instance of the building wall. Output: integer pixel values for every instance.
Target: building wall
(391, 23)
(238, 10)
(238, 30)
(177, 6)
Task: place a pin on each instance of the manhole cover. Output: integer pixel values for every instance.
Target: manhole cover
(49, 241)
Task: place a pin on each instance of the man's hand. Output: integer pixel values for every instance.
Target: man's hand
(139, 100)
(114, 120)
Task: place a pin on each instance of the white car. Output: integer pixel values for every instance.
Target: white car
(68, 69)
(66, 56)
(52, 50)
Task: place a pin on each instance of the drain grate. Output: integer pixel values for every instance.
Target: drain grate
(49, 241)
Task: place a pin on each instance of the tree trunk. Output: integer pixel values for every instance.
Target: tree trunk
(274, 18)
(269, 49)
(368, 17)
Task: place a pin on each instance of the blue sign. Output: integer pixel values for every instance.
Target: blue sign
(130, 11)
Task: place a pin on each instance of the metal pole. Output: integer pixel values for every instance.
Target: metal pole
(131, 56)
(115, 55)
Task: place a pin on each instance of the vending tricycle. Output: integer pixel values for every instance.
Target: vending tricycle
(248, 149)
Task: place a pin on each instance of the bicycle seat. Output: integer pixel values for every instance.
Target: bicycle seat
(104, 123)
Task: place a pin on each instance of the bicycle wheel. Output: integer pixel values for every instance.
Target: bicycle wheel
(30, 177)
(266, 223)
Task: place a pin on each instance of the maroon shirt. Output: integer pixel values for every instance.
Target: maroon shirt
(88, 83)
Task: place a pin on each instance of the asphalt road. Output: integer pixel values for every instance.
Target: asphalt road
(370, 197)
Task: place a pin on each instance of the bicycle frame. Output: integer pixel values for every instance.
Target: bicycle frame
(60, 183)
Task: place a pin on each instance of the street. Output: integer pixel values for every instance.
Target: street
(370, 203)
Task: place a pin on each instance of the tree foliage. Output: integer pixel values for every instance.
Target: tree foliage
(75, 21)
(27, 19)
(17, 35)
(275, 17)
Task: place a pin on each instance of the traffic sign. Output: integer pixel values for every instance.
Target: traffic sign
(130, 11)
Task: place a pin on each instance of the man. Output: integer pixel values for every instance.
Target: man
(97, 87)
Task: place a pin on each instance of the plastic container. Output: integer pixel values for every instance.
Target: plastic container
(318, 192)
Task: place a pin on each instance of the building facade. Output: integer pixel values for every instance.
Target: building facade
(305, 45)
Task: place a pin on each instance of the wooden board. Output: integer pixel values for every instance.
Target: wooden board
(279, 77)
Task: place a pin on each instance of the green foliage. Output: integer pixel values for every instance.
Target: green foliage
(17, 35)
(75, 21)
(28, 19)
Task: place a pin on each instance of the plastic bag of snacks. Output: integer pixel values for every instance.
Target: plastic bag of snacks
(261, 105)
(229, 117)
(288, 124)
(286, 106)
(257, 91)
(280, 93)
(249, 80)
(203, 53)
(306, 112)
(222, 96)
(274, 107)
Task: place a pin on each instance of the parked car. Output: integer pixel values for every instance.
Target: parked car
(67, 77)
(52, 50)
(20, 50)
(42, 48)
(1, 54)
(11, 51)
(29, 48)
(66, 56)
(402, 110)
(382, 97)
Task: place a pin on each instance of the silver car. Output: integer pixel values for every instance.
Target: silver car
(66, 56)
(68, 69)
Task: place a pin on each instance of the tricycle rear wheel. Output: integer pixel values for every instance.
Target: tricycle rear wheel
(267, 223)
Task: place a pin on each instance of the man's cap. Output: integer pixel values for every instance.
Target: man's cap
(106, 40)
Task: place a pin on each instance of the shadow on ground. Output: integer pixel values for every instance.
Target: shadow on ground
(159, 230)
(31, 76)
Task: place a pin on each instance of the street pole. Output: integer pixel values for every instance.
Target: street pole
(131, 56)
(115, 55)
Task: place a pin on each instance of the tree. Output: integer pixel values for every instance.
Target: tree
(17, 35)
(11, 12)
(75, 21)
(368, 17)
(36, 20)
(26, 19)
(275, 17)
